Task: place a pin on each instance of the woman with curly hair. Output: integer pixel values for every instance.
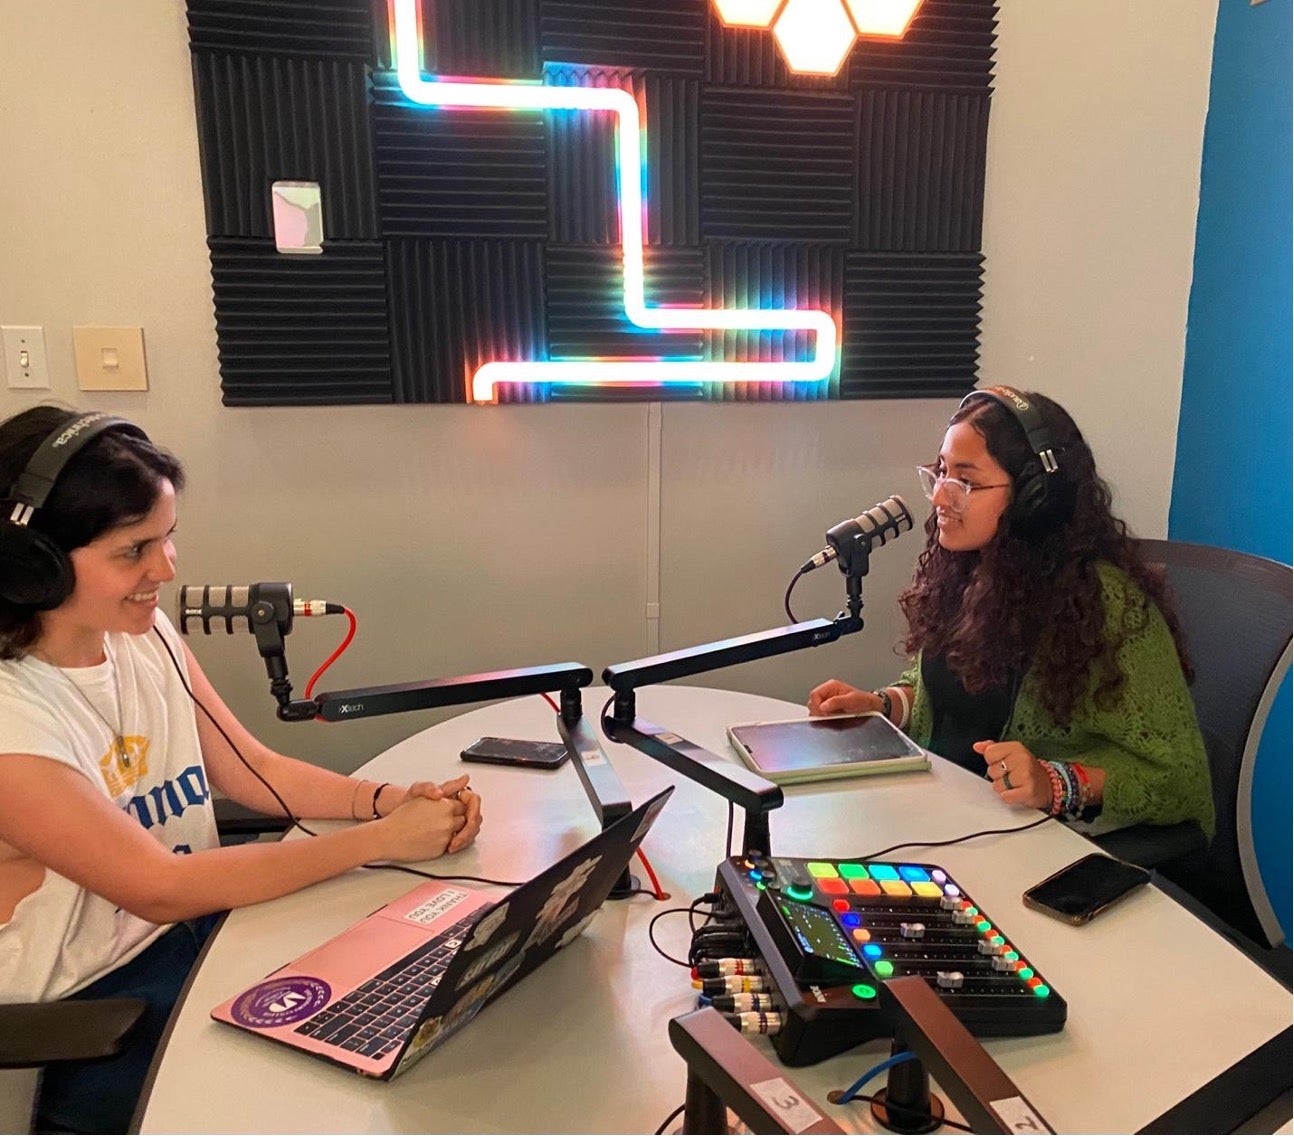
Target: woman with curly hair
(1046, 653)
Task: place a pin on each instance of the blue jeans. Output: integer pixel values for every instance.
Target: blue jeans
(100, 1096)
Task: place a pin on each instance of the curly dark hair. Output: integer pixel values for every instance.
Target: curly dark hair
(113, 480)
(1032, 597)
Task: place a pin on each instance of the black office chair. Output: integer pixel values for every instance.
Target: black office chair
(1235, 615)
(33, 1035)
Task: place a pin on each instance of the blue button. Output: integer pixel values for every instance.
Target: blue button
(872, 951)
(851, 919)
(756, 874)
(882, 872)
(913, 874)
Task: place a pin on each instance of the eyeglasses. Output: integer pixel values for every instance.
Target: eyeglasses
(956, 491)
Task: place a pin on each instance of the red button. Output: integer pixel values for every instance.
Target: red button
(832, 886)
(840, 905)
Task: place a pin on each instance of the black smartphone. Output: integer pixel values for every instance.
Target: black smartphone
(1080, 891)
(516, 751)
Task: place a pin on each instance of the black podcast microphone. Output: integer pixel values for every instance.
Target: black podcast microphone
(252, 602)
(879, 524)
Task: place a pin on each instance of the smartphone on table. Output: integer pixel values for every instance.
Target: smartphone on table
(516, 751)
(1080, 891)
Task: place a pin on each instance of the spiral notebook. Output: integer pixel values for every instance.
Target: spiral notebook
(821, 749)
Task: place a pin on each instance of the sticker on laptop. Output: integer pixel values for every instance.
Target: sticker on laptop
(280, 1001)
(484, 928)
(434, 908)
(487, 959)
(562, 903)
(575, 930)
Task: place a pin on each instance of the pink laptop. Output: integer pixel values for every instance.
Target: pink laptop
(388, 989)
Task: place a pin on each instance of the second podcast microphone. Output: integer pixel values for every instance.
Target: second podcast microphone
(229, 602)
(879, 524)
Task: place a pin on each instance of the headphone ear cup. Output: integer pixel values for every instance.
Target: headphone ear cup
(1042, 502)
(34, 571)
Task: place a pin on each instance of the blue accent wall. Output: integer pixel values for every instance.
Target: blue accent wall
(1232, 477)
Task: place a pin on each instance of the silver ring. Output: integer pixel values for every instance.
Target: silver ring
(1006, 781)
(1003, 766)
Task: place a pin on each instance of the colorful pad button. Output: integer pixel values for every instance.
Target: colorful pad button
(833, 885)
(820, 870)
(853, 872)
(927, 889)
(864, 887)
(851, 919)
(840, 905)
(895, 887)
(861, 935)
(913, 874)
(882, 872)
(884, 968)
(872, 951)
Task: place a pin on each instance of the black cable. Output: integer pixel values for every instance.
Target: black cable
(786, 599)
(957, 840)
(727, 844)
(651, 936)
(287, 812)
(669, 1119)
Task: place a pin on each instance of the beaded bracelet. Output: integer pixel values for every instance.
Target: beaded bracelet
(1057, 788)
(1084, 786)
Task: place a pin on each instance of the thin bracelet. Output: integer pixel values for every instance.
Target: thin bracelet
(376, 793)
(354, 796)
(902, 692)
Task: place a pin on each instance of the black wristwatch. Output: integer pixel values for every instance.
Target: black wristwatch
(887, 703)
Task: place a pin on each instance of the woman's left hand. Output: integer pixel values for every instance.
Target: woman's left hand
(1018, 776)
(455, 788)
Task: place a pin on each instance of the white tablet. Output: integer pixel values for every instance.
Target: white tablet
(817, 749)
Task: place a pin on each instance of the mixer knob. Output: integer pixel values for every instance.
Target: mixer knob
(988, 947)
(964, 917)
(950, 979)
(949, 902)
(1001, 962)
(912, 930)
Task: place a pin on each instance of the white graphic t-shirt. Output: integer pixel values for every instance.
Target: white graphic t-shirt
(61, 937)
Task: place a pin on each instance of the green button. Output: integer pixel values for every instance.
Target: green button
(998, 941)
(853, 872)
(863, 992)
(983, 925)
(821, 870)
(1042, 990)
(1024, 973)
(1011, 956)
(761, 886)
(803, 894)
(884, 968)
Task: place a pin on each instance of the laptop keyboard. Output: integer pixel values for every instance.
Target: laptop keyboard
(375, 1018)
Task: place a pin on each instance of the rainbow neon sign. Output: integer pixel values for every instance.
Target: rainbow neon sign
(530, 95)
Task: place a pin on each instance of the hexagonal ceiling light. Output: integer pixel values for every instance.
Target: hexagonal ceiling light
(816, 35)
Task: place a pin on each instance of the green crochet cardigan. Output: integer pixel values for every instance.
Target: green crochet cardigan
(1149, 744)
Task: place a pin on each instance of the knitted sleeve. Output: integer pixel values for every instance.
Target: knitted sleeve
(1148, 742)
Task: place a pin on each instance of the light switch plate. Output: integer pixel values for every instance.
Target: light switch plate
(25, 365)
(110, 358)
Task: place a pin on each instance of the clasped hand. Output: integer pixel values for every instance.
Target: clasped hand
(1017, 776)
(443, 817)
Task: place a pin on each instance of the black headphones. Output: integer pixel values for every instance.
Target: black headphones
(34, 571)
(1043, 497)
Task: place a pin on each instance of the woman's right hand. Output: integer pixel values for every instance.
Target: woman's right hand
(836, 697)
(421, 829)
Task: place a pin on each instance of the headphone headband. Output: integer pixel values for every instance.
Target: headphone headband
(1024, 412)
(37, 480)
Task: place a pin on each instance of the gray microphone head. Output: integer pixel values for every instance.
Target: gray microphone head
(228, 602)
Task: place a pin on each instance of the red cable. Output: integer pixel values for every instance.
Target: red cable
(655, 883)
(334, 656)
(549, 699)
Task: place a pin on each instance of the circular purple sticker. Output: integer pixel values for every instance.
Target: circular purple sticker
(280, 1001)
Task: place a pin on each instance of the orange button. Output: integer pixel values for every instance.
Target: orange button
(864, 887)
(861, 935)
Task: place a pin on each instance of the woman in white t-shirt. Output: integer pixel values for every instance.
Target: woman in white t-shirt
(109, 864)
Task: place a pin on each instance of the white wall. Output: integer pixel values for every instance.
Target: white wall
(472, 538)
